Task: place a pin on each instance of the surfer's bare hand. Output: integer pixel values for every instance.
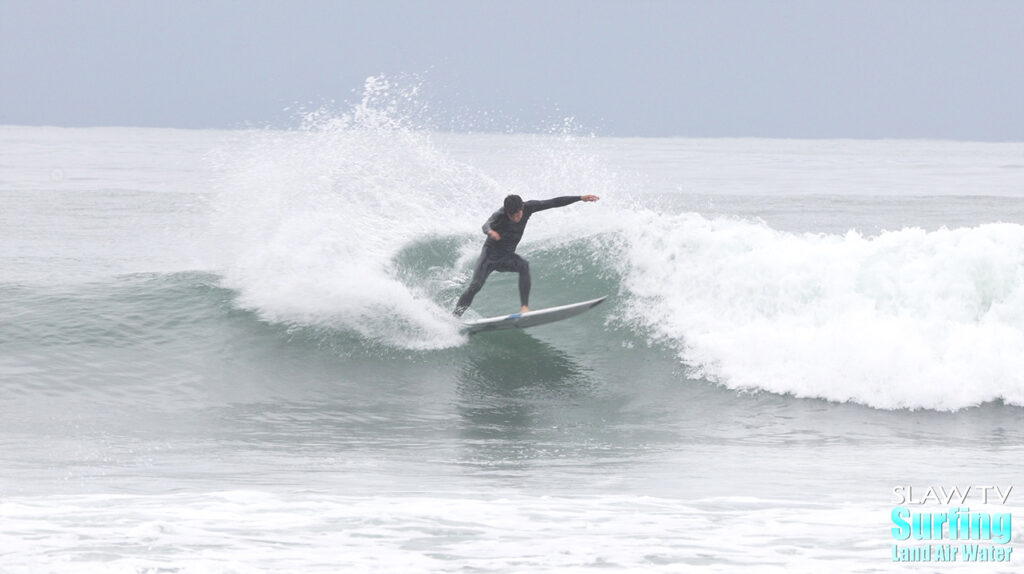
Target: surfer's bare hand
(493, 235)
(589, 197)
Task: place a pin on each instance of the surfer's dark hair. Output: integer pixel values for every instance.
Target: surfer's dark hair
(513, 203)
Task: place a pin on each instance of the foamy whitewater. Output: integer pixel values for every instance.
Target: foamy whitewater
(233, 351)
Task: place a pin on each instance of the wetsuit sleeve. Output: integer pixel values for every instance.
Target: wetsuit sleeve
(541, 205)
(489, 224)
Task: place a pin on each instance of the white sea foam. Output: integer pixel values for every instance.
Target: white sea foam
(310, 219)
(262, 532)
(905, 319)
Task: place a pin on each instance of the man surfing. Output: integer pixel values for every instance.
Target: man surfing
(504, 229)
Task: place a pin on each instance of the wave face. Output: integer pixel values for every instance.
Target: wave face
(906, 319)
(359, 229)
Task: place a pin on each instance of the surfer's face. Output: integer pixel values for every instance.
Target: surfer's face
(515, 217)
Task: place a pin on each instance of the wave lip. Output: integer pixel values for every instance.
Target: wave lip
(906, 319)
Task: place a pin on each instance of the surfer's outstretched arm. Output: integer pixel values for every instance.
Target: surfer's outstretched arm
(540, 205)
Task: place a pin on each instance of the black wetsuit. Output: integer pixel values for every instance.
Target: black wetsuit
(501, 255)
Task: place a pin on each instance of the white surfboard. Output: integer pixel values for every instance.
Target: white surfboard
(530, 318)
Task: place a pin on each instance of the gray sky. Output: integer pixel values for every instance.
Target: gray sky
(781, 68)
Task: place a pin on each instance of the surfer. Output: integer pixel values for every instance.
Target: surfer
(504, 229)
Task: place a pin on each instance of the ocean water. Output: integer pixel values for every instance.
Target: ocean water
(231, 351)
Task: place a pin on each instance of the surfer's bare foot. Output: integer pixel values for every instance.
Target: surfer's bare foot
(524, 309)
